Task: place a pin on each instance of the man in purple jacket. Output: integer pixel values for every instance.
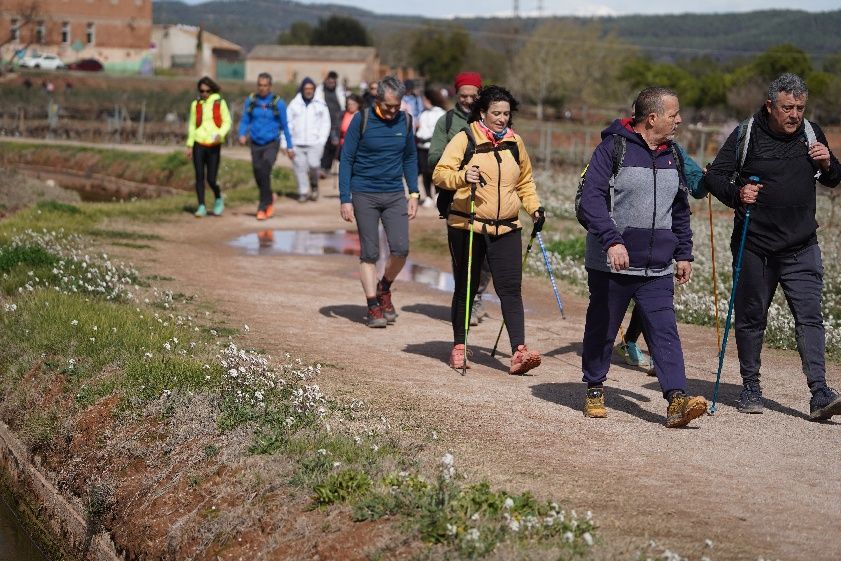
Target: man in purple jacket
(634, 204)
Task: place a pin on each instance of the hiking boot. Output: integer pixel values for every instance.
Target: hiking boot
(750, 400)
(683, 408)
(219, 206)
(632, 354)
(313, 195)
(384, 300)
(523, 361)
(594, 404)
(201, 212)
(825, 403)
(261, 215)
(457, 359)
(375, 318)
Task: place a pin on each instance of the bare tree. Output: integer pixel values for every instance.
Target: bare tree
(26, 12)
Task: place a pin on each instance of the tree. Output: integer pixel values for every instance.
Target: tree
(26, 12)
(439, 55)
(340, 30)
(299, 33)
(563, 60)
(782, 58)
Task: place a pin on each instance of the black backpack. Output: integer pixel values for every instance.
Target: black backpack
(272, 103)
(619, 148)
(445, 196)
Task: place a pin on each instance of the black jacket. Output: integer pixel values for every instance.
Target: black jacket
(782, 221)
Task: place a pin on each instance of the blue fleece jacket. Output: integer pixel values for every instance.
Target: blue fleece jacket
(379, 162)
(261, 124)
(649, 209)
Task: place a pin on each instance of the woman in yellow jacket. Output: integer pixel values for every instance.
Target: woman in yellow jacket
(209, 122)
(499, 165)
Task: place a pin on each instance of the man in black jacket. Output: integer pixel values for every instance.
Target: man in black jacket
(787, 154)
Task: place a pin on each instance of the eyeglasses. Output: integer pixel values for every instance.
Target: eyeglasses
(204, 90)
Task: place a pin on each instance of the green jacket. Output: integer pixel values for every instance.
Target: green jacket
(441, 137)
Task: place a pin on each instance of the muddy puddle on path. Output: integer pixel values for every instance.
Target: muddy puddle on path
(337, 242)
(15, 544)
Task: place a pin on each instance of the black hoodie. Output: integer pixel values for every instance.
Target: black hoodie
(782, 221)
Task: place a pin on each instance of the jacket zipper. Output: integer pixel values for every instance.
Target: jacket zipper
(498, 188)
(653, 215)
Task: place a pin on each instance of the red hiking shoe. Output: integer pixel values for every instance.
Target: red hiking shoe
(384, 300)
(523, 361)
(375, 317)
(458, 360)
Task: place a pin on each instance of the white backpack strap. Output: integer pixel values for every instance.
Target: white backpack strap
(745, 143)
(809, 131)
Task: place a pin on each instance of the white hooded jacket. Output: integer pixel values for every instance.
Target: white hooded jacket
(309, 123)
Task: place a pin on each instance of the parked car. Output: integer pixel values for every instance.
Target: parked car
(47, 62)
(86, 65)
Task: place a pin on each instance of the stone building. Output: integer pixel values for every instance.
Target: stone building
(291, 63)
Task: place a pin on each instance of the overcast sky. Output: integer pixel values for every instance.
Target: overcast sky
(446, 8)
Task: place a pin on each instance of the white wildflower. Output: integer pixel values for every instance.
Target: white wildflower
(588, 539)
(452, 529)
(472, 534)
(74, 323)
(508, 504)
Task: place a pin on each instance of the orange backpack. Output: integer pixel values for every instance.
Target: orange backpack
(217, 112)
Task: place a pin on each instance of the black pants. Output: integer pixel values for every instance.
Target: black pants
(505, 255)
(801, 276)
(206, 163)
(425, 170)
(262, 161)
(329, 154)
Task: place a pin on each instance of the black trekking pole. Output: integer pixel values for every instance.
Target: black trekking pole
(551, 275)
(737, 269)
(467, 303)
(525, 258)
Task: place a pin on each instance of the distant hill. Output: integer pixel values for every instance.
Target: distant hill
(721, 36)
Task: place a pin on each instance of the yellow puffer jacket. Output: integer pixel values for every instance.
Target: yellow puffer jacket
(208, 134)
(509, 185)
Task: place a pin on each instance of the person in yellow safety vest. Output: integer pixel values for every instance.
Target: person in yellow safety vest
(208, 124)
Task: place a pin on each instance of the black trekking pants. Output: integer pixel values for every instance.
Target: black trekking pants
(801, 276)
(206, 163)
(505, 257)
(262, 162)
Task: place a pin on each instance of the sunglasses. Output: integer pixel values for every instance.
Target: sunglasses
(204, 90)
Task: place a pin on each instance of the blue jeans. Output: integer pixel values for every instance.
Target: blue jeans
(801, 276)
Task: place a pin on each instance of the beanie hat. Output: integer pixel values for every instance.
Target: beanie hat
(468, 79)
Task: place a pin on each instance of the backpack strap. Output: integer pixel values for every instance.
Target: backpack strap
(679, 165)
(619, 147)
(199, 108)
(217, 113)
(743, 143)
(469, 150)
(809, 131)
(448, 121)
(364, 125)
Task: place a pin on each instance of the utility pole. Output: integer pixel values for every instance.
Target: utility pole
(540, 8)
(516, 8)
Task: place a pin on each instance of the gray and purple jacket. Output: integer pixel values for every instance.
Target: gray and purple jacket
(649, 212)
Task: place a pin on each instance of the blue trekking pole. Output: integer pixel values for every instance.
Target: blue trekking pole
(736, 271)
(551, 275)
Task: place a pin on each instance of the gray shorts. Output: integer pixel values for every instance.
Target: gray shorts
(390, 208)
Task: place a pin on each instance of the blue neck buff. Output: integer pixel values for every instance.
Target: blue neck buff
(497, 135)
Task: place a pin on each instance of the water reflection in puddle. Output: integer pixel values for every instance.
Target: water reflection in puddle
(305, 242)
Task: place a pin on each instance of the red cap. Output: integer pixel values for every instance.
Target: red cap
(468, 79)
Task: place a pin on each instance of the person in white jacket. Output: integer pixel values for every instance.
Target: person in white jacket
(433, 109)
(309, 123)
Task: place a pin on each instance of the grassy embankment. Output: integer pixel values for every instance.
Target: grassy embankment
(180, 443)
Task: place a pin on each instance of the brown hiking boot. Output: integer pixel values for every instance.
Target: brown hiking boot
(594, 404)
(384, 300)
(375, 317)
(457, 358)
(683, 408)
(523, 361)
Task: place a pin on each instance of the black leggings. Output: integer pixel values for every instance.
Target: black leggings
(425, 170)
(505, 256)
(206, 157)
(635, 327)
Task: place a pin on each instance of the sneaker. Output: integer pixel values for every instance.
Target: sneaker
(428, 203)
(633, 355)
(683, 408)
(303, 198)
(594, 404)
(261, 215)
(384, 299)
(825, 403)
(269, 211)
(201, 212)
(375, 318)
(457, 359)
(523, 361)
(219, 206)
(750, 400)
(313, 195)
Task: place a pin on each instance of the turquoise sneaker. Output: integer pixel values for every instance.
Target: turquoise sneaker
(201, 211)
(632, 354)
(219, 206)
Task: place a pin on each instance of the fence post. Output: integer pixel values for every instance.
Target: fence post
(142, 122)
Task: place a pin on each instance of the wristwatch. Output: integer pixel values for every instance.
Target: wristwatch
(414, 195)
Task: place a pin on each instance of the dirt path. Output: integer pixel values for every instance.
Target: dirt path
(757, 486)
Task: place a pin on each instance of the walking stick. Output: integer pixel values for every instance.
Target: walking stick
(715, 276)
(736, 271)
(469, 272)
(525, 257)
(551, 275)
